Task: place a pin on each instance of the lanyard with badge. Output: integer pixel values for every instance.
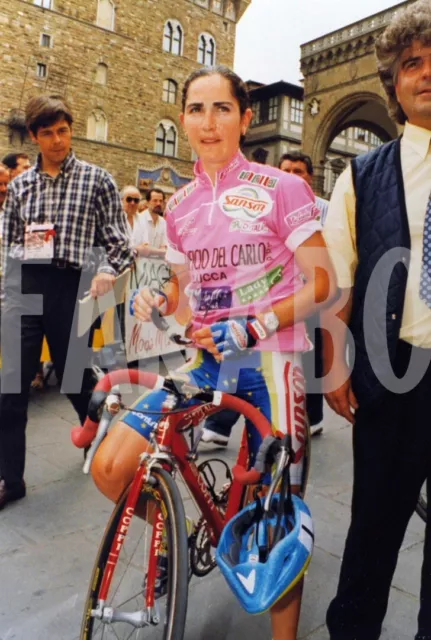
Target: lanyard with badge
(39, 238)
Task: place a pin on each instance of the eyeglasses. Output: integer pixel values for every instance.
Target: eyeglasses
(135, 200)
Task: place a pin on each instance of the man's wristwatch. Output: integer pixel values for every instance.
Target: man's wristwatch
(264, 327)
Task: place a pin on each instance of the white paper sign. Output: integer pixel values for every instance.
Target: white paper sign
(143, 339)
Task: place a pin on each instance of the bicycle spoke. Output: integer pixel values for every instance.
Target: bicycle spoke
(135, 597)
(128, 565)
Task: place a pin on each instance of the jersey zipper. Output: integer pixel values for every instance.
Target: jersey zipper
(214, 188)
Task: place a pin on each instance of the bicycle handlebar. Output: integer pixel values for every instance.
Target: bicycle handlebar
(83, 436)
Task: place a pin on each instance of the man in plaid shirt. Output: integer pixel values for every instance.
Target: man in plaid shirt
(55, 214)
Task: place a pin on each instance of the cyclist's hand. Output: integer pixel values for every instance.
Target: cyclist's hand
(339, 394)
(143, 303)
(226, 339)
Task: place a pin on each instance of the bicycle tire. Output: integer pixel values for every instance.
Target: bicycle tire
(422, 506)
(177, 591)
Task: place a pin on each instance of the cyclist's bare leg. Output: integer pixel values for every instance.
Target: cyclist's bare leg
(116, 460)
(285, 613)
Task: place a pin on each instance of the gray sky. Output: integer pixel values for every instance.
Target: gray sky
(270, 33)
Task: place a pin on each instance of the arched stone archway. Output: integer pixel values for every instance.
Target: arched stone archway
(364, 109)
(342, 88)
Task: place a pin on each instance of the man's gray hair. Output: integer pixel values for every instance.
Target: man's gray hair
(125, 189)
(408, 25)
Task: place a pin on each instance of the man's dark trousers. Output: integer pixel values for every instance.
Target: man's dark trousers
(60, 288)
(392, 460)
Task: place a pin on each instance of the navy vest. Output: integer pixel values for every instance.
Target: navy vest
(383, 243)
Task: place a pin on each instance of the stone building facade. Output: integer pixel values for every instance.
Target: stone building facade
(342, 88)
(121, 65)
(277, 128)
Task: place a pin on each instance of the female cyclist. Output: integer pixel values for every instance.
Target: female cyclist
(243, 237)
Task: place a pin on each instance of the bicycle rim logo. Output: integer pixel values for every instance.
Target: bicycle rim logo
(246, 203)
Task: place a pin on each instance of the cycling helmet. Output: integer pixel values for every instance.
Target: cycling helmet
(263, 555)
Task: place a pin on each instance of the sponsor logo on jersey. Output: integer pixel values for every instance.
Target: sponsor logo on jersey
(308, 212)
(246, 203)
(249, 227)
(213, 298)
(258, 288)
(181, 194)
(259, 178)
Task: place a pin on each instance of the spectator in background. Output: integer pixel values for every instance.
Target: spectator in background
(17, 163)
(301, 165)
(136, 223)
(4, 181)
(142, 206)
(156, 224)
(80, 207)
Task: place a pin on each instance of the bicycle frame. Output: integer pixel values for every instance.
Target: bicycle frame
(171, 440)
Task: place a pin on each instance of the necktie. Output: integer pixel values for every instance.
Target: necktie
(425, 282)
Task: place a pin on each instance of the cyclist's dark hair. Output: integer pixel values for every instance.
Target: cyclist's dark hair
(44, 111)
(298, 156)
(155, 190)
(238, 86)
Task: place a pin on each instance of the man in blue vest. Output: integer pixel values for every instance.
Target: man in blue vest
(378, 230)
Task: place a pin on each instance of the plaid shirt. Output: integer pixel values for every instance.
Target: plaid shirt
(84, 205)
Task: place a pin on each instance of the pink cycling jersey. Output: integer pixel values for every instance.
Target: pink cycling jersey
(239, 237)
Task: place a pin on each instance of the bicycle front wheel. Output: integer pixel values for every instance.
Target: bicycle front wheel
(127, 592)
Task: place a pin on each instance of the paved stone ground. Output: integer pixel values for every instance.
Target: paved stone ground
(48, 543)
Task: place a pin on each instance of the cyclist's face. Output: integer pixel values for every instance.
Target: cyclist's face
(212, 120)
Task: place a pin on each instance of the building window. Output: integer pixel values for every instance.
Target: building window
(273, 109)
(170, 89)
(297, 111)
(97, 126)
(106, 14)
(265, 111)
(230, 10)
(375, 140)
(218, 6)
(206, 50)
(45, 40)
(203, 3)
(173, 38)
(256, 113)
(46, 4)
(102, 73)
(41, 70)
(166, 139)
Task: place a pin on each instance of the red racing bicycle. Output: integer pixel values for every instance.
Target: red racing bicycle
(148, 524)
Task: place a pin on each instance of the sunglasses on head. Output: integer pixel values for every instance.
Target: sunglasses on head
(135, 200)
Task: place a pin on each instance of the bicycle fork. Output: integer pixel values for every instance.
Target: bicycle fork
(142, 618)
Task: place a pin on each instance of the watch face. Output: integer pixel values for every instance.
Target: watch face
(271, 321)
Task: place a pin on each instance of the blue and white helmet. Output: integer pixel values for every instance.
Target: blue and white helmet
(260, 580)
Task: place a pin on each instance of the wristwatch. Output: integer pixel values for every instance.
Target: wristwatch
(270, 322)
(265, 326)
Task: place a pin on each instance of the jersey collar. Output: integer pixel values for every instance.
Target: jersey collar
(238, 161)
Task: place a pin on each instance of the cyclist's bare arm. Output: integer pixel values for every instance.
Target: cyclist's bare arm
(338, 394)
(313, 260)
